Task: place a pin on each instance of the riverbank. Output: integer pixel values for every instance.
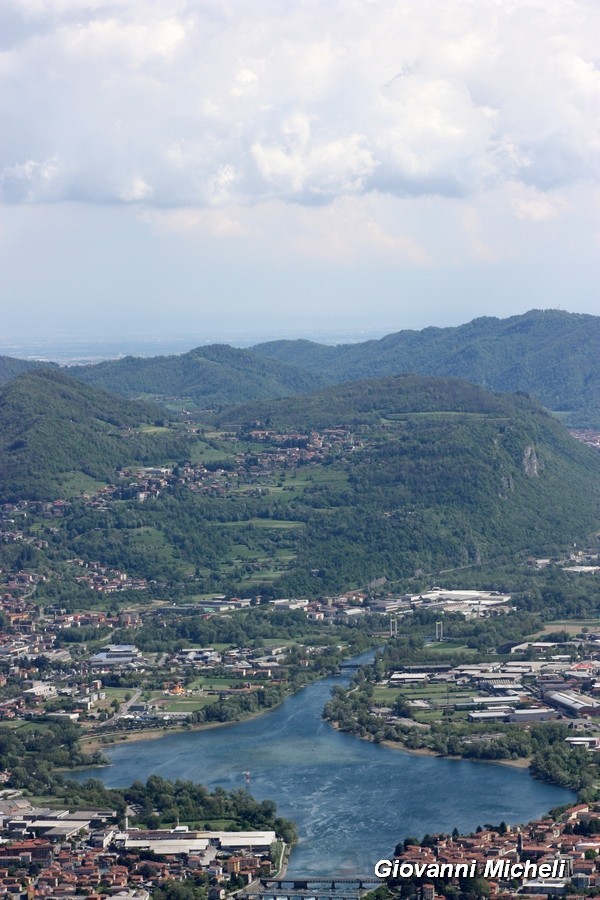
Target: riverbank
(90, 742)
(93, 742)
(522, 763)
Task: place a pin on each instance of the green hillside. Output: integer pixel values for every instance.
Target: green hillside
(386, 478)
(368, 402)
(10, 367)
(550, 354)
(207, 377)
(51, 425)
(553, 355)
(442, 474)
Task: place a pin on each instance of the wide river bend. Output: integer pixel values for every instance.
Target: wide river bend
(351, 800)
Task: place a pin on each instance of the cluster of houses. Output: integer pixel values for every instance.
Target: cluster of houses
(470, 604)
(73, 688)
(243, 662)
(106, 580)
(589, 436)
(275, 451)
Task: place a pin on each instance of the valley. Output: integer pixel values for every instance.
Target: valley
(173, 563)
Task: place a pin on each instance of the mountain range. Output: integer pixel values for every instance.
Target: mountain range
(550, 354)
(11, 367)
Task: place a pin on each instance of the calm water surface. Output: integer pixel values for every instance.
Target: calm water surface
(351, 800)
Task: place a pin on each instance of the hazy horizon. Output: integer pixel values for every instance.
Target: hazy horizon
(80, 347)
(70, 349)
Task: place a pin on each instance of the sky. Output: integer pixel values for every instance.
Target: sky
(211, 166)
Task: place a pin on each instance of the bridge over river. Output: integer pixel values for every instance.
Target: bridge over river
(320, 887)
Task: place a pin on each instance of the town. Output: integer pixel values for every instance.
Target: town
(54, 852)
(553, 856)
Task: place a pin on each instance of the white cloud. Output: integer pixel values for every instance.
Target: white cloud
(171, 104)
(30, 181)
(137, 190)
(480, 247)
(299, 166)
(532, 205)
(191, 221)
(351, 230)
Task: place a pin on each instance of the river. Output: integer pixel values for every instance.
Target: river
(352, 800)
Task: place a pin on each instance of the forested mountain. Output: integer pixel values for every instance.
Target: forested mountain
(441, 472)
(550, 354)
(383, 478)
(207, 376)
(553, 355)
(51, 425)
(10, 367)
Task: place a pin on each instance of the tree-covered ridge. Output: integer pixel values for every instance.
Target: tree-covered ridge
(51, 425)
(548, 353)
(207, 376)
(11, 367)
(367, 403)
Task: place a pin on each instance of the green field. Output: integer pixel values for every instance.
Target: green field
(187, 704)
(215, 683)
(147, 540)
(449, 649)
(75, 483)
(153, 429)
(437, 694)
(26, 726)
(201, 452)
(443, 414)
(277, 524)
(572, 626)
